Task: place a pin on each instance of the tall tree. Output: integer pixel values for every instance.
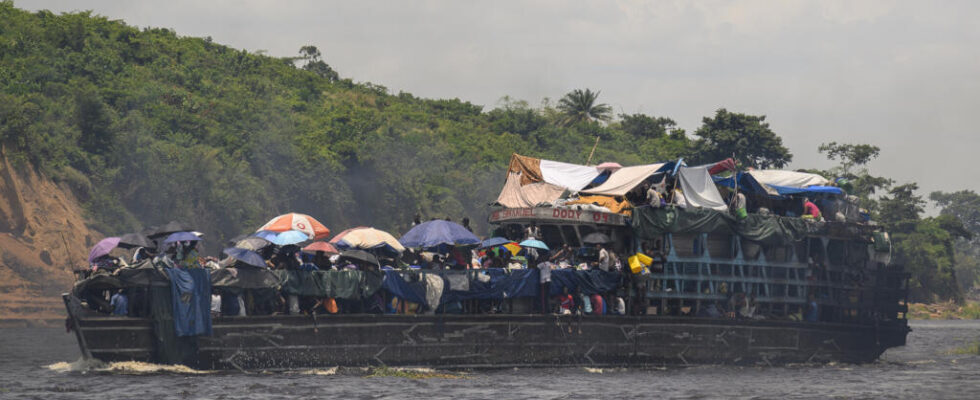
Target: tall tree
(857, 179)
(315, 64)
(748, 137)
(580, 106)
(645, 126)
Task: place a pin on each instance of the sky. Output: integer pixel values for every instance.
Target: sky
(902, 75)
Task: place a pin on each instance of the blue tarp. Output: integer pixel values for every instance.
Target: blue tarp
(409, 291)
(503, 284)
(748, 184)
(590, 282)
(191, 290)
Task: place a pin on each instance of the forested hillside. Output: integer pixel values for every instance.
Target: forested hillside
(145, 126)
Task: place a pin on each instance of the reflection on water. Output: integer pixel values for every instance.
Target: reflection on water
(35, 364)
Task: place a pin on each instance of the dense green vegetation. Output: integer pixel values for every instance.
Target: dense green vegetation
(145, 126)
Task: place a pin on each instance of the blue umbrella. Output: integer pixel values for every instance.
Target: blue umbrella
(290, 237)
(246, 256)
(494, 241)
(267, 235)
(438, 232)
(181, 237)
(537, 244)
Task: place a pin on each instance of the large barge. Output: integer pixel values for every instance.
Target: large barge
(786, 266)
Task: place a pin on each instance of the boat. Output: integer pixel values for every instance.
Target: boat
(706, 258)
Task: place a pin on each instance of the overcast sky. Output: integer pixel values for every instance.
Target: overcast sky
(901, 75)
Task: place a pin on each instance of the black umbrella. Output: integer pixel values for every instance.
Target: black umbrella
(131, 240)
(596, 238)
(168, 228)
(359, 255)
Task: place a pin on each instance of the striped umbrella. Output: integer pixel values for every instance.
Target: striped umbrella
(300, 222)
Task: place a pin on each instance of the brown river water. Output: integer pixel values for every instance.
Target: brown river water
(42, 363)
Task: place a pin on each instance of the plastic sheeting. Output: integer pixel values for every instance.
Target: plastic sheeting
(625, 179)
(775, 177)
(191, 299)
(345, 284)
(699, 189)
(610, 203)
(571, 176)
(651, 223)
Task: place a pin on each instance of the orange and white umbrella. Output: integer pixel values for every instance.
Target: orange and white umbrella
(300, 222)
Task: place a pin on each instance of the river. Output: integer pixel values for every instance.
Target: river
(40, 363)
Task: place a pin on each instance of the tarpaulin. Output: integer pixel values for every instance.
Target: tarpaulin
(191, 298)
(650, 223)
(571, 176)
(618, 207)
(244, 278)
(344, 284)
(529, 168)
(589, 281)
(786, 190)
(625, 179)
(502, 284)
(787, 178)
(513, 195)
(699, 190)
(412, 290)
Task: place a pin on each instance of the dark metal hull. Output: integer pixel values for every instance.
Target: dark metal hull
(492, 341)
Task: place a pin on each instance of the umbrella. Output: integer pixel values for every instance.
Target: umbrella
(168, 228)
(131, 240)
(290, 237)
(246, 256)
(321, 246)
(438, 232)
(513, 248)
(359, 255)
(299, 222)
(252, 243)
(612, 166)
(595, 238)
(366, 238)
(494, 241)
(103, 247)
(182, 237)
(537, 244)
(267, 235)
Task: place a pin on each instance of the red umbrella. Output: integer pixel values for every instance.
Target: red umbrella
(612, 166)
(300, 222)
(321, 246)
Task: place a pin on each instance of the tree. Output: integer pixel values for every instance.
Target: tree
(314, 64)
(858, 182)
(964, 205)
(580, 106)
(645, 126)
(901, 207)
(748, 137)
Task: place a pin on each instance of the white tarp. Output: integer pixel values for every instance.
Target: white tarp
(787, 178)
(699, 189)
(624, 180)
(571, 176)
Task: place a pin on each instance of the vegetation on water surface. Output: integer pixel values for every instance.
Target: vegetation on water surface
(946, 310)
(145, 126)
(410, 373)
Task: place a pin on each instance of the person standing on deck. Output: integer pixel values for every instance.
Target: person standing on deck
(604, 260)
(532, 231)
(810, 210)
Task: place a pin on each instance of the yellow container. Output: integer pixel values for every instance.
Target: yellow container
(638, 262)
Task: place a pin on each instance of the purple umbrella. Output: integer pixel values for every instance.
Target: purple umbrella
(182, 237)
(103, 247)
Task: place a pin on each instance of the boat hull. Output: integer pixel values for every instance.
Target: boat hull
(493, 341)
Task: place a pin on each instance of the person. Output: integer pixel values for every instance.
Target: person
(736, 303)
(565, 302)
(810, 210)
(654, 199)
(119, 303)
(532, 231)
(417, 220)
(544, 272)
(748, 309)
(812, 313)
(739, 206)
(215, 305)
(620, 306)
(563, 254)
(604, 260)
(466, 224)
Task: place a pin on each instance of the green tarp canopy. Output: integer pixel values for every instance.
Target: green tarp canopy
(345, 284)
(651, 223)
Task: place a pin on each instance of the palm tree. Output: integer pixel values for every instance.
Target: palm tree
(580, 106)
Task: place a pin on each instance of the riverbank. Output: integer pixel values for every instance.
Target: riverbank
(945, 311)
